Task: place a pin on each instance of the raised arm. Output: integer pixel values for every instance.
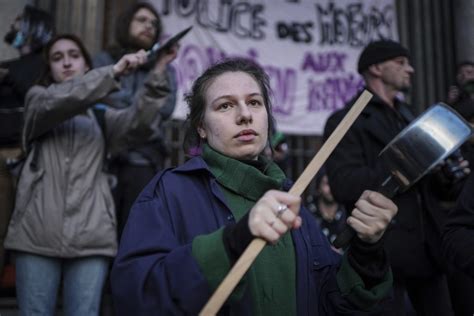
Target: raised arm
(47, 107)
(140, 122)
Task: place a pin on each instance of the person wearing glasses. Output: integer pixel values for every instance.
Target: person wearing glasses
(139, 27)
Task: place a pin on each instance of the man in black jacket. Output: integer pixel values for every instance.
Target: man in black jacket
(414, 237)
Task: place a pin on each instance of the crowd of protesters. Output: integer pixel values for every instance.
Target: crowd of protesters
(85, 205)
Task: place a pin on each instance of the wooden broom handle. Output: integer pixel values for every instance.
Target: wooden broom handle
(255, 247)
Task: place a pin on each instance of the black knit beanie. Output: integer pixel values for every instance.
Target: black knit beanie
(380, 51)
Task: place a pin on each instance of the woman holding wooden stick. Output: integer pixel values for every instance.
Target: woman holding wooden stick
(191, 223)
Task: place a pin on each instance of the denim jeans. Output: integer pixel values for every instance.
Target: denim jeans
(38, 279)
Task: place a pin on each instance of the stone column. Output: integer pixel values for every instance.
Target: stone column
(464, 29)
(9, 10)
(84, 18)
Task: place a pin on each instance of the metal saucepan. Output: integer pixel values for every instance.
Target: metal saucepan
(416, 150)
(422, 145)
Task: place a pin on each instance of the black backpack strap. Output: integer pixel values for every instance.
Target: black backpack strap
(34, 161)
(99, 112)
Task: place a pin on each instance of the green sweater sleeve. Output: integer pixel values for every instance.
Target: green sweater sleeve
(353, 288)
(211, 255)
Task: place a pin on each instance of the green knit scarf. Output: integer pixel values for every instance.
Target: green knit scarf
(272, 277)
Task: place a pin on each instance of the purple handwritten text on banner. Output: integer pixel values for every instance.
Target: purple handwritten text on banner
(324, 62)
(332, 93)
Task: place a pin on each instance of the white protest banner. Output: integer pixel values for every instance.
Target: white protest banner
(308, 48)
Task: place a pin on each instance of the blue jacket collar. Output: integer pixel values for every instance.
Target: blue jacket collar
(194, 164)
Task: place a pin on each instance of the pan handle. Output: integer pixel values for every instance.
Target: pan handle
(344, 238)
(389, 188)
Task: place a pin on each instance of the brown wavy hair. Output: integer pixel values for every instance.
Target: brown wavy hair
(197, 102)
(47, 78)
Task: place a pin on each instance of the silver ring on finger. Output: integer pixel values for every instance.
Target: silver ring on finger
(281, 209)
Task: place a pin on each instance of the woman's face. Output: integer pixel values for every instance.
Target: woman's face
(235, 118)
(66, 60)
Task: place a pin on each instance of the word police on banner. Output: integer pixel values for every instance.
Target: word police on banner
(308, 48)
